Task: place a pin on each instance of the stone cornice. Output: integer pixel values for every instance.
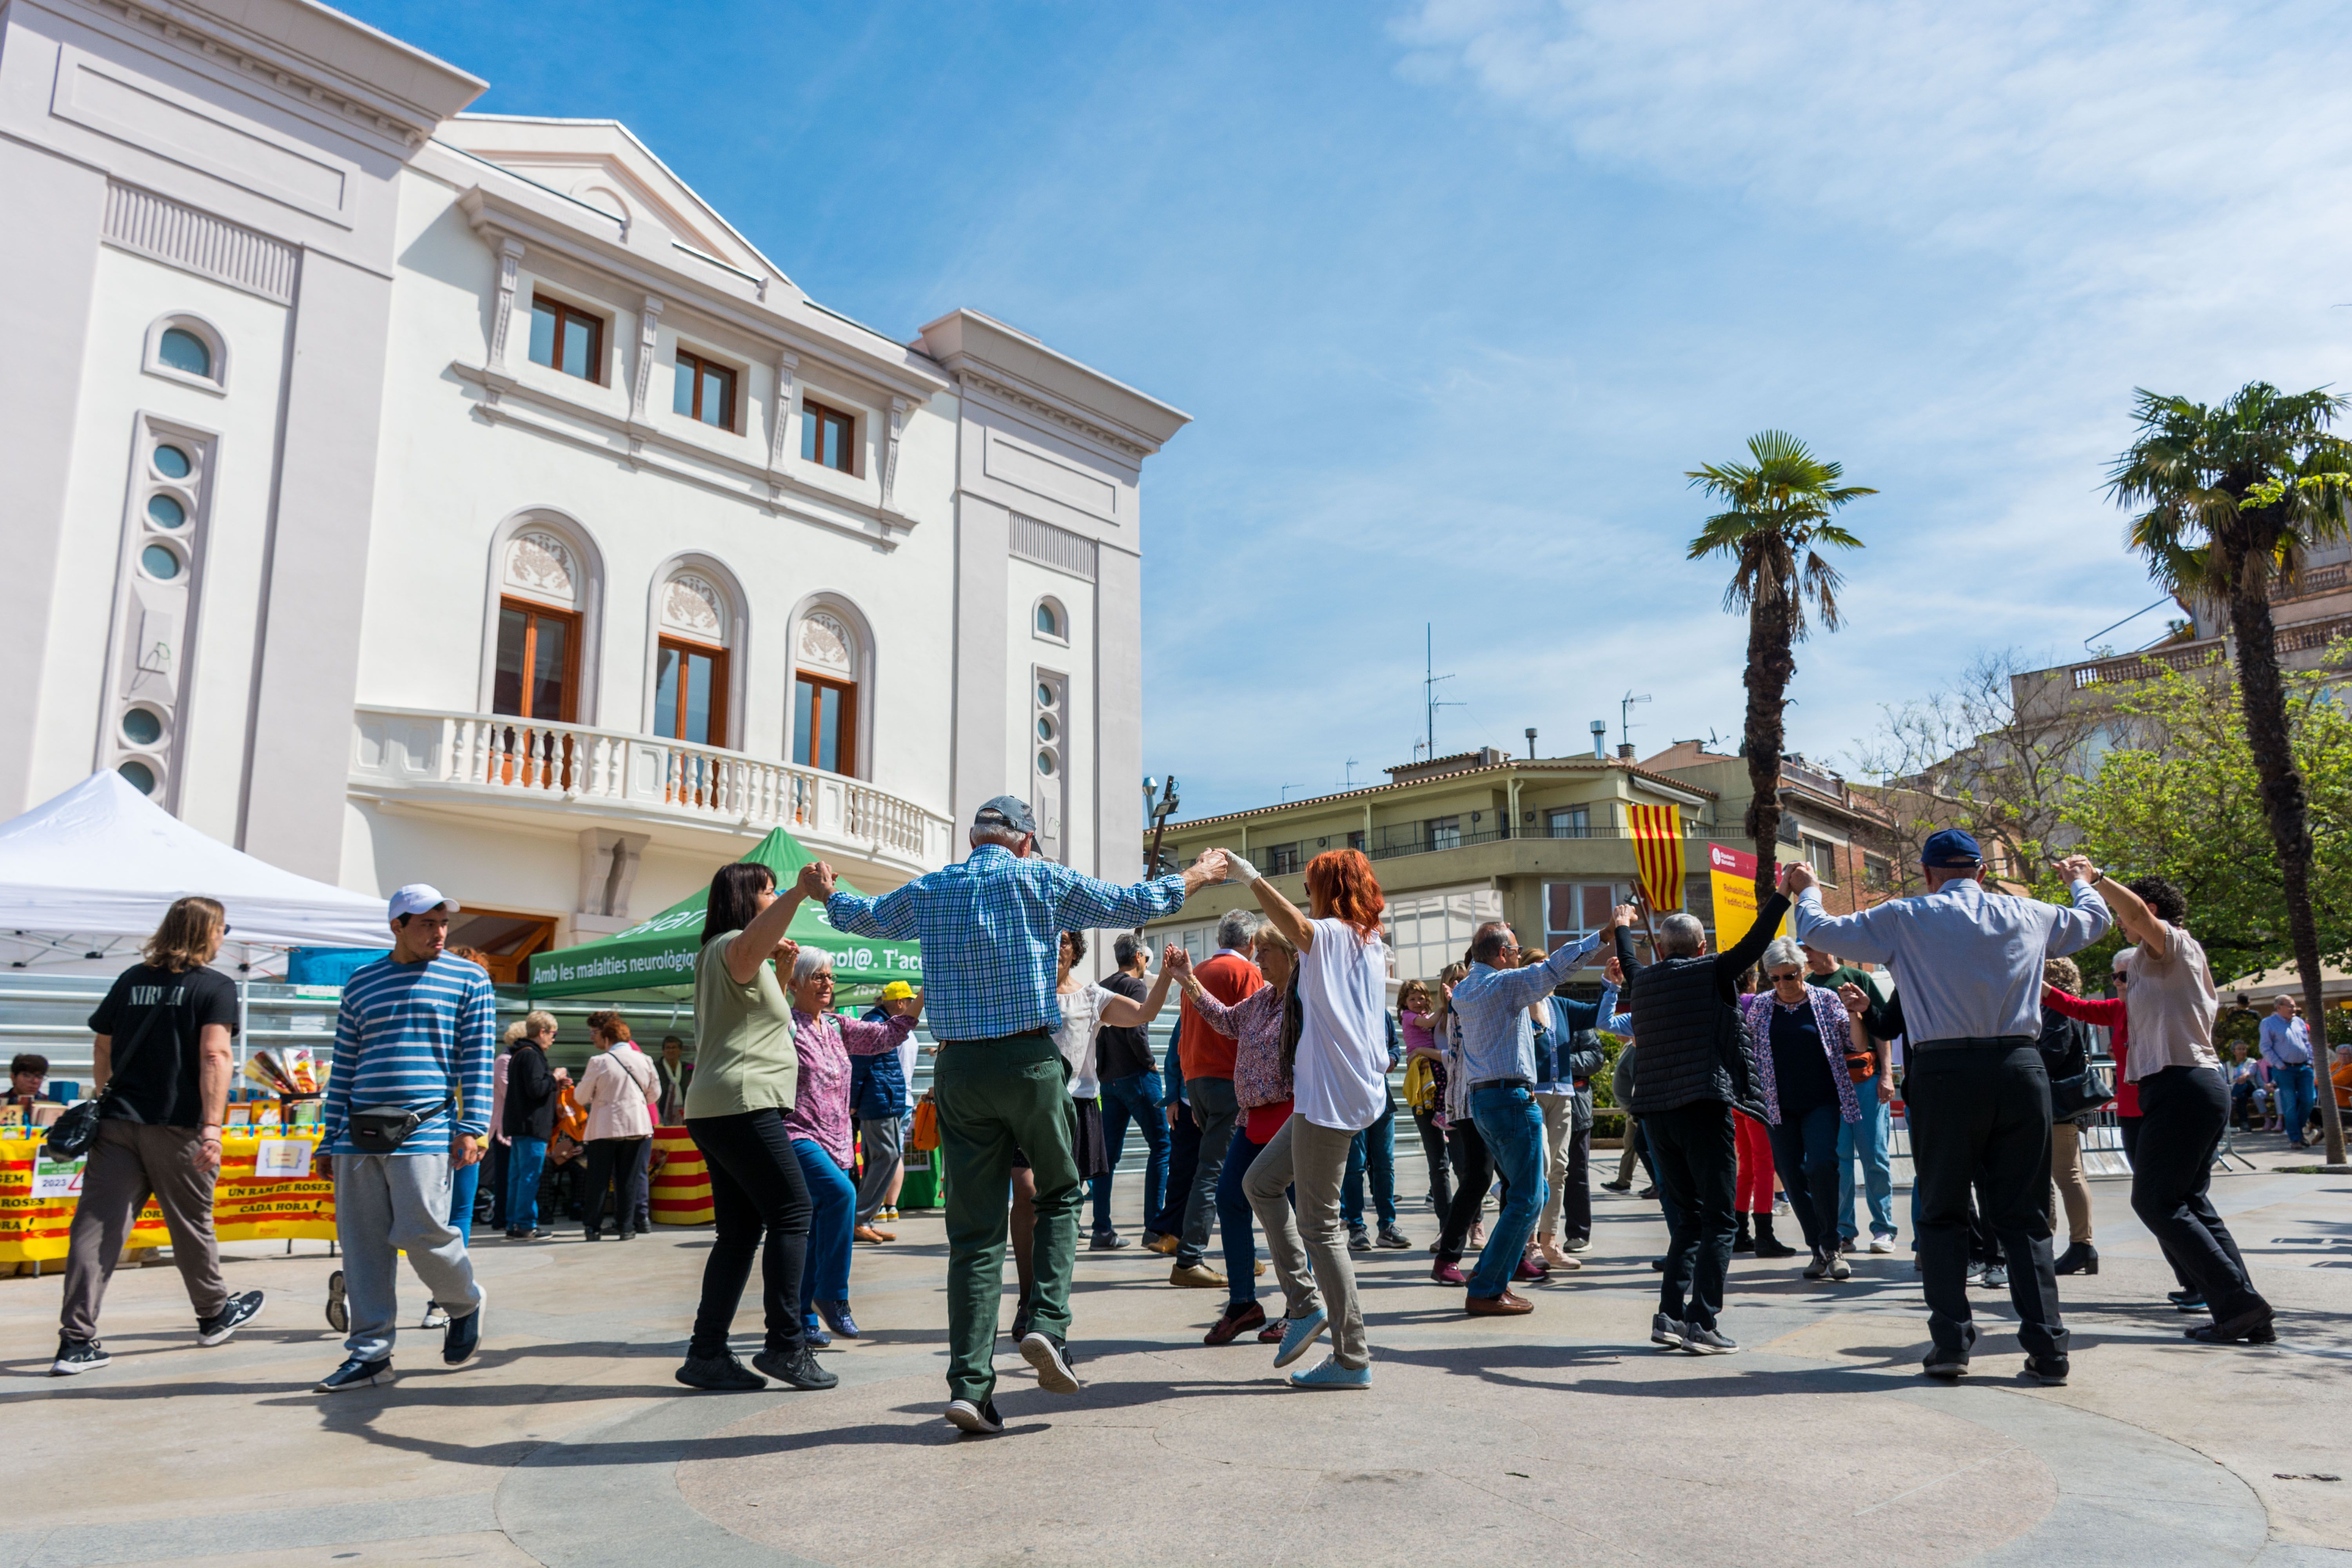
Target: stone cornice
(1034, 401)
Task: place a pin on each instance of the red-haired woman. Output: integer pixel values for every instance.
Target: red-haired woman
(1335, 1034)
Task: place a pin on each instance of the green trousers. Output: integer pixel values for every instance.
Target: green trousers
(995, 1097)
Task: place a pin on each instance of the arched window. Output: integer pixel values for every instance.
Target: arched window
(826, 657)
(537, 672)
(691, 666)
(1050, 621)
(187, 349)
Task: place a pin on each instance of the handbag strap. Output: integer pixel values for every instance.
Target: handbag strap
(116, 1063)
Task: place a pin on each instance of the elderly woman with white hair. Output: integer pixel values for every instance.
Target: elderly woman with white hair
(819, 1125)
(1801, 1037)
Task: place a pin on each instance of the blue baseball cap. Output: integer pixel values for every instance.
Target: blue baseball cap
(1952, 849)
(1006, 811)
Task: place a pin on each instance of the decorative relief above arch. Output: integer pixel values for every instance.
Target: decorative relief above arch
(693, 607)
(540, 564)
(826, 644)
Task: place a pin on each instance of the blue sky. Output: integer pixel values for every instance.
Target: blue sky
(1456, 292)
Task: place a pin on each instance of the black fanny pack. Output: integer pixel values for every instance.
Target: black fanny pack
(381, 1128)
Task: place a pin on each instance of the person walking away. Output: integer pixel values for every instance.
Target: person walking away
(1262, 1088)
(1131, 1094)
(2065, 1045)
(531, 1100)
(1339, 1079)
(1372, 1155)
(1424, 1088)
(159, 1067)
(1802, 1041)
(1696, 1067)
(1568, 1053)
(415, 1034)
(1869, 1066)
(617, 1090)
(1207, 1059)
(2185, 1106)
(991, 932)
(878, 1098)
(747, 1081)
(1967, 964)
(2286, 1052)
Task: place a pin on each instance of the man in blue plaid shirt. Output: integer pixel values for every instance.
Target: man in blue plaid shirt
(991, 930)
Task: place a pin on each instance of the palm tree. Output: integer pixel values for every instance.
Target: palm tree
(1778, 509)
(2234, 496)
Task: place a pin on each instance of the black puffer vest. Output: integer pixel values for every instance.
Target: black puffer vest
(1693, 1046)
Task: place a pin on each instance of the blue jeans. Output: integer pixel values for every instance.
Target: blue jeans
(2295, 1097)
(1511, 1123)
(1869, 1138)
(1374, 1149)
(465, 1180)
(1805, 1153)
(1237, 1224)
(526, 1157)
(1135, 1097)
(833, 1214)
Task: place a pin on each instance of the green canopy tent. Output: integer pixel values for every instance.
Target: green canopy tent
(655, 957)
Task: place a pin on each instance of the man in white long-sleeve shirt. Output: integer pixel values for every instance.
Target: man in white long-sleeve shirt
(1967, 966)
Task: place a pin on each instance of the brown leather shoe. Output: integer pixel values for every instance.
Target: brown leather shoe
(1237, 1321)
(1509, 1304)
(867, 1233)
(1198, 1275)
(1164, 1244)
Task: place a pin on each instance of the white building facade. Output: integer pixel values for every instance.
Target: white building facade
(405, 495)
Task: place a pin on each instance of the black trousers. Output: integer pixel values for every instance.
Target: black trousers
(2128, 1126)
(760, 1202)
(2183, 1112)
(614, 1163)
(1980, 1115)
(1474, 1172)
(1805, 1153)
(1693, 1157)
(1184, 1165)
(1441, 1166)
(1576, 1193)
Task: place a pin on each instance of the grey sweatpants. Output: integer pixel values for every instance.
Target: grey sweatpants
(386, 1204)
(127, 1162)
(1316, 1159)
(881, 1135)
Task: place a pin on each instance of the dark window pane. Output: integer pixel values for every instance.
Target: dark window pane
(542, 335)
(681, 398)
(804, 697)
(547, 668)
(666, 694)
(506, 685)
(697, 698)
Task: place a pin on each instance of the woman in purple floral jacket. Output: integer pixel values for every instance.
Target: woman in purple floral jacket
(1800, 1036)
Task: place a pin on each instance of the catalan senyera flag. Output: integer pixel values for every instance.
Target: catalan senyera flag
(1658, 849)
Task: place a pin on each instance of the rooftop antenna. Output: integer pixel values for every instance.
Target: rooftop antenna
(1353, 763)
(1625, 706)
(1429, 681)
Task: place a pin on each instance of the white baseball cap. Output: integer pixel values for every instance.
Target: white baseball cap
(420, 898)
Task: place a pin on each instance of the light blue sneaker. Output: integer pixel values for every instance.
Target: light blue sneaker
(1328, 1373)
(1299, 1334)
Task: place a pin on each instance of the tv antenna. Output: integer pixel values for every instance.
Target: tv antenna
(1429, 681)
(1625, 706)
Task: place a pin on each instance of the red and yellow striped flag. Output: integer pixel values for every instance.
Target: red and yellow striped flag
(1658, 849)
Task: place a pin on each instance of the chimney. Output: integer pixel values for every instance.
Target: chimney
(1625, 751)
(1600, 739)
(1531, 743)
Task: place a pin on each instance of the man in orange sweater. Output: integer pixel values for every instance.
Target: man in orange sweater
(1206, 1059)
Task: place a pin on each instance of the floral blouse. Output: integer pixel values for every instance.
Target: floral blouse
(820, 1111)
(1255, 1025)
(1837, 1035)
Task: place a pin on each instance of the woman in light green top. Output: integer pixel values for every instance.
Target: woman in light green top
(744, 1080)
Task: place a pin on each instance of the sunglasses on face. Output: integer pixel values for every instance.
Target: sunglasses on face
(1788, 974)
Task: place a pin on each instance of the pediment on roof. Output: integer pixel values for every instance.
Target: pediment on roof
(601, 163)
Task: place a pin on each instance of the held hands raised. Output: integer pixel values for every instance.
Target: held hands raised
(1625, 915)
(816, 880)
(2078, 868)
(1211, 867)
(1615, 971)
(1856, 1004)
(1796, 877)
(787, 954)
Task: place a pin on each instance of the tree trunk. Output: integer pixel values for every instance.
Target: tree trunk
(2263, 696)
(1770, 664)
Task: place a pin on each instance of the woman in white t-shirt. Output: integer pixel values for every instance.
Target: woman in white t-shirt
(1337, 1036)
(1085, 1009)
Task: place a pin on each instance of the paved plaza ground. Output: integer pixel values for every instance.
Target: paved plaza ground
(1558, 1436)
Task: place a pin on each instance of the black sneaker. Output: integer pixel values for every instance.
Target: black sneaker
(462, 1336)
(339, 1308)
(356, 1373)
(2187, 1300)
(1391, 1238)
(1359, 1238)
(1107, 1241)
(981, 1420)
(1052, 1360)
(237, 1310)
(1707, 1342)
(2048, 1371)
(1617, 1186)
(1020, 1311)
(720, 1373)
(1951, 1365)
(1665, 1331)
(76, 1356)
(799, 1369)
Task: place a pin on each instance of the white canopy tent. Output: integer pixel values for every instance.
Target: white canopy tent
(101, 862)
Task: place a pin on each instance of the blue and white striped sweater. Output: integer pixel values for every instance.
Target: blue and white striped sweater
(412, 1035)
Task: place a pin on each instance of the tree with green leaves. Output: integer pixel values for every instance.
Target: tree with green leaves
(1779, 508)
(2229, 499)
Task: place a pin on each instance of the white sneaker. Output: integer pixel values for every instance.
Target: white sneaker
(1882, 1244)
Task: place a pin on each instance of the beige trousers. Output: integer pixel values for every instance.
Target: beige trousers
(1315, 1160)
(2066, 1182)
(1559, 1118)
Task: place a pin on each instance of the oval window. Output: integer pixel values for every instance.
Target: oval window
(163, 511)
(1044, 728)
(1044, 695)
(142, 727)
(141, 776)
(182, 350)
(1049, 620)
(1046, 763)
(160, 562)
(171, 463)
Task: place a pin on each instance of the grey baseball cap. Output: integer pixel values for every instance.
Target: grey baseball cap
(1006, 811)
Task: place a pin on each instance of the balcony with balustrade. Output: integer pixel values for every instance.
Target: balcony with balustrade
(574, 777)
